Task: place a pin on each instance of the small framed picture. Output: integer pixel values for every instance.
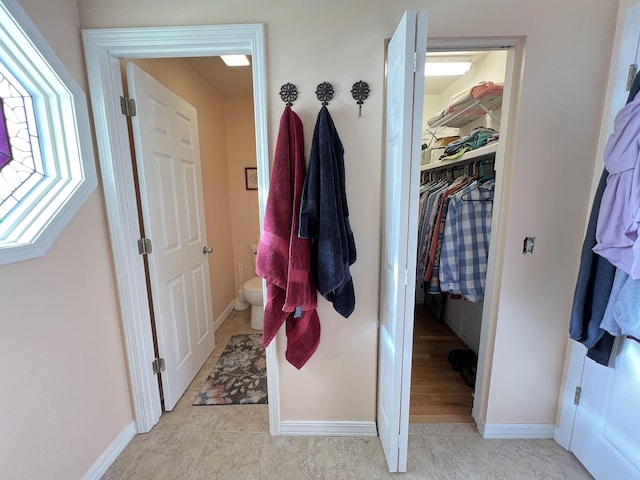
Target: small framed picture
(251, 178)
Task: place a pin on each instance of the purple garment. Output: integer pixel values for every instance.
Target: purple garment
(619, 216)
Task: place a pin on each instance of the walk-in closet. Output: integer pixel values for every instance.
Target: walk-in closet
(461, 134)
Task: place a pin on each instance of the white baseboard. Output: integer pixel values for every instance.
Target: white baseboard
(111, 454)
(516, 430)
(223, 316)
(329, 429)
(473, 345)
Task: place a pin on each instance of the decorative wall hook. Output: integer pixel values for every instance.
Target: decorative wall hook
(324, 92)
(360, 92)
(288, 93)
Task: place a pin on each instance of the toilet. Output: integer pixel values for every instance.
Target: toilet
(253, 295)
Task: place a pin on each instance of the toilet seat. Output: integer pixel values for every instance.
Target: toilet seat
(253, 285)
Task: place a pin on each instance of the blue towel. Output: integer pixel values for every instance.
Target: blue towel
(324, 217)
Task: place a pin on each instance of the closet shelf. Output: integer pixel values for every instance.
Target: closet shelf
(463, 113)
(488, 151)
(466, 112)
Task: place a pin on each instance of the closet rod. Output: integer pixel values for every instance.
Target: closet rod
(451, 169)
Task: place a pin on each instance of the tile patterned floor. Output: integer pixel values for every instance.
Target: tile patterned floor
(233, 443)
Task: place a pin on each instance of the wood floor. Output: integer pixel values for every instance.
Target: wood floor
(438, 393)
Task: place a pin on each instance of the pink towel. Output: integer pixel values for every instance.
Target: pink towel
(478, 91)
(284, 259)
(486, 88)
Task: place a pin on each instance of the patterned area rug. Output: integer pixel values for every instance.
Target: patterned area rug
(239, 376)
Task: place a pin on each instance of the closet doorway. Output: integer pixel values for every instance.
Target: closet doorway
(462, 120)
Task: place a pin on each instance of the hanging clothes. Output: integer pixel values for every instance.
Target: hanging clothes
(595, 281)
(324, 217)
(432, 196)
(465, 248)
(622, 316)
(593, 288)
(618, 227)
(432, 277)
(284, 259)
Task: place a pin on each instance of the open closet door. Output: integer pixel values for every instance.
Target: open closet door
(405, 92)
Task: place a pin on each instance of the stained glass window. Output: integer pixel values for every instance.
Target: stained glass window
(5, 147)
(47, 169)
(20, 157)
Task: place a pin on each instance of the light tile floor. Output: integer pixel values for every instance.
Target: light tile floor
(233, 443)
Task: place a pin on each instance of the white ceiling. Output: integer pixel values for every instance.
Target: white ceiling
(237, 82)
(437, 85)
(230, 82)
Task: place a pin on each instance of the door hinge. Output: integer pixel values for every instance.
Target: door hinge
(144, 246)
(576, 396)
(633, 69)
(128, 106)
(158, 365)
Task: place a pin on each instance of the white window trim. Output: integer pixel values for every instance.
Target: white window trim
(65, 137)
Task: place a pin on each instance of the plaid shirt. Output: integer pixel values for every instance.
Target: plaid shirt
(463, 260)
(432, 275)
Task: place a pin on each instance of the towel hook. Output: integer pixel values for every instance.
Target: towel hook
(288, 93)
(324, 92)
(360, 92)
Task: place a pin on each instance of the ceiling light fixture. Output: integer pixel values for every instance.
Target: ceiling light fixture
(446, 66)
(235, 60)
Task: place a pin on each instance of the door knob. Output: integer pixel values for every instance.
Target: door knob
(206, 249)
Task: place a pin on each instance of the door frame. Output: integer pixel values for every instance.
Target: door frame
(103, 50)
(515, 46)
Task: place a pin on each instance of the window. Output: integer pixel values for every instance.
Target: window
(20, 161)
(47, 167)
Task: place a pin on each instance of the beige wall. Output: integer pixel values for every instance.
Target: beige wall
(68, 344)
(566, 64)
(64, 393)
(241, 148)
(63, 388)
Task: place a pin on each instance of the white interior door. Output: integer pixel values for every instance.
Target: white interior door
(606, 432)
(405, 92)
(165, 132)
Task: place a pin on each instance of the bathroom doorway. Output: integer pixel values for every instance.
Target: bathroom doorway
(220, 133)
(104, 48)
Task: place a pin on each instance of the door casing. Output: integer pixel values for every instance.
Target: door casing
(103, 50)
(515, 47)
